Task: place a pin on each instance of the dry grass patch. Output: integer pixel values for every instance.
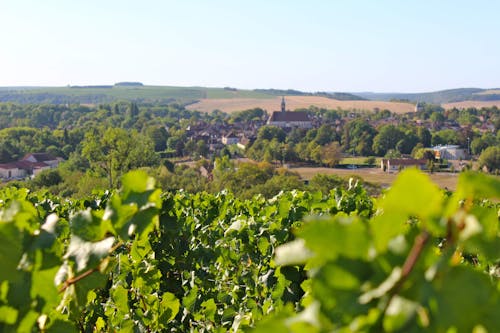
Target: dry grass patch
(376, 176)
(471, 104)
(296, 102)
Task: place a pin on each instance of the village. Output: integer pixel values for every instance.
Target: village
(215, 135)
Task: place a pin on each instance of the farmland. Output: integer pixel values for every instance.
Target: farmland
(471, 104)
(296, 102)
(106, 94)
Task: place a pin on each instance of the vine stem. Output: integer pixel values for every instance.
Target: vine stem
(88, 272)
(74, 280)
(410, 262)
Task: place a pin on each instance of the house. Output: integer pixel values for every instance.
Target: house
(449, 152)
(30, 164)
(230, 139)
(244, 143)
(396, 164)
(12, 171)
(42, 158)
(289, 119)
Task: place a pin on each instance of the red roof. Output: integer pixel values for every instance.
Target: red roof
(406, 161)
(40, 157)
(26, 165)
(9, 166)
(289, 116)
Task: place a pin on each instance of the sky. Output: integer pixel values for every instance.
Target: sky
(313, 45)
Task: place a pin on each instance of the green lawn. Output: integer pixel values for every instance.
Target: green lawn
(358, 160)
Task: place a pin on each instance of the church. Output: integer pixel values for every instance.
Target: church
(289, 119)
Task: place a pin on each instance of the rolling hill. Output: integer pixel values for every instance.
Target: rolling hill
(231, 99)
(438, 97)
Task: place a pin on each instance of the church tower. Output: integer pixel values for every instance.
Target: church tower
(283, 108)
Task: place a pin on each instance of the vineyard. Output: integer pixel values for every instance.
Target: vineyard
(141, 260)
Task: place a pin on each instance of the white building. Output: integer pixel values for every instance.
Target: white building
(230, 139)
(11, 171)
(449, 152)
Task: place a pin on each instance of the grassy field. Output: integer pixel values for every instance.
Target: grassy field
(376, 176)
(148, 93)
(358, 160)
(296, 102)
(471, 104)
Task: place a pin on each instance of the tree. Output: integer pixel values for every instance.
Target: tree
(407, 143)
(490, 158)
(358, 137)
(481, 143)
(325, 134)
(387, 138)
(201, 148)
(445, 137)
(271, 132)
(159, 135)
(114, 151)
(331, 154)
(326, 183)
(437, 118)
(47, 178)
(424, 136)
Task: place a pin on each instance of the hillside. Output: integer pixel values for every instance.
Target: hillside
(438, 97)
(121, 91)
(138, 92)
(229, 99)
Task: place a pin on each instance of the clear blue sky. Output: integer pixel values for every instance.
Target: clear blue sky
(330, 45)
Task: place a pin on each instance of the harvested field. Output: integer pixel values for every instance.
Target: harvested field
(471, 104)
(376, 176)
(296, 102)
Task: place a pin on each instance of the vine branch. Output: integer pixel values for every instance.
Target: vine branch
(410, 262)
(88, 272)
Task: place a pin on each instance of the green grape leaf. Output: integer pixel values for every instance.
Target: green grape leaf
(89, 226)
(85, 285)
(14, 223)
(465, 298)
(329, 238)
(209, 308)
(8, 315)
(479, 232)
(86, 254)
(136, 210)
(412, 195)
(120, 299)
(138, 187)
(100, 324)
(189, 300)
(43, 288)
(28, 322)
(11, 250)
(478, 185)
(169, 307)
(58, 323)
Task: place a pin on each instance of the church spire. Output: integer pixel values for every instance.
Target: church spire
(283, 107)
